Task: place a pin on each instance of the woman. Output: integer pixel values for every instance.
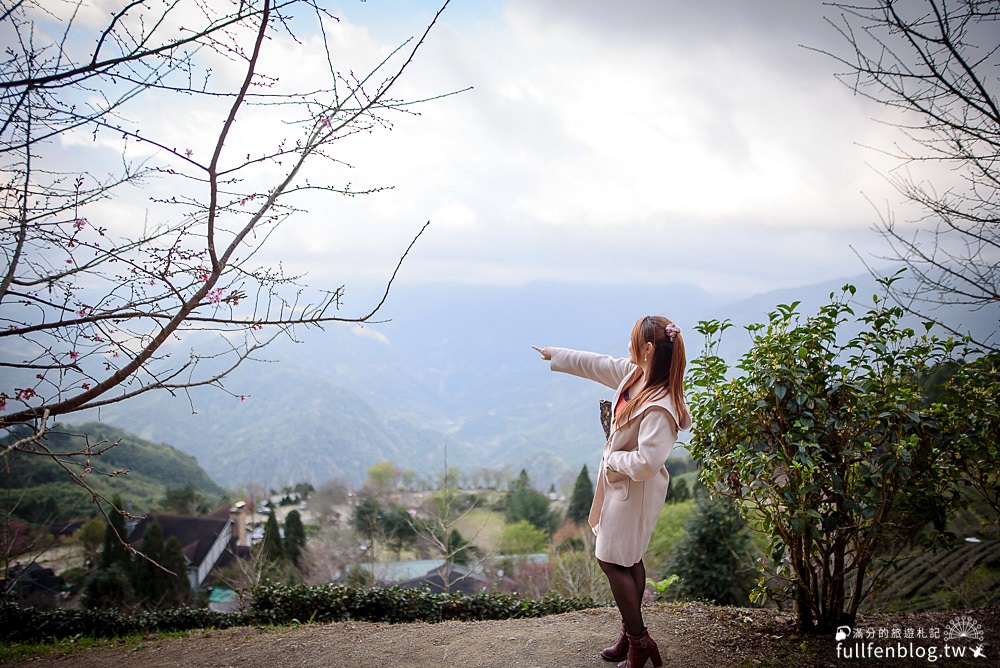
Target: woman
(632, 481)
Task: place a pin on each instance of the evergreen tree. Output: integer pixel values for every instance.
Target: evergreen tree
(177, 587)
(295, 537)
(271, 546)
(149, 580)
(154, 586)
(527, 503)
(367, 516)
(109, 587)
(396, 526)
(678, 491)
(111, 584)
(712, 557)
(114, 551)
(583, 495)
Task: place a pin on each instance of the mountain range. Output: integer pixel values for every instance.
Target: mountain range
(449, 373)
(109, 460)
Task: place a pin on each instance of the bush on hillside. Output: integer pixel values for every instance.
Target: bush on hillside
(832, 442)
(281, 604)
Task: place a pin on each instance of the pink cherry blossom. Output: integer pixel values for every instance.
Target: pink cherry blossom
(215, 296)
(85, 386)
(74, 355)
(3, 401)
(188, 152)
(26, 393)
(79, 223)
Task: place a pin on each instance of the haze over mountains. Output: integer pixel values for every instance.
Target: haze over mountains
(451, 372)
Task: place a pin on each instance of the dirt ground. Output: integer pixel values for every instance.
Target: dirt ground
(689, 635)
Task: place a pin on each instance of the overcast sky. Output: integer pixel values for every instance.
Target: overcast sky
(633, 142)
(627, 142)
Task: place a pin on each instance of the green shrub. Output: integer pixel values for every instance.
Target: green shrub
(668, 532)
(108, 588)
(712, 558)
(828, 436)
(280, 604)
(28, 624)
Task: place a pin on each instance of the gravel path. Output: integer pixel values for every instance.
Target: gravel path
(689, 635)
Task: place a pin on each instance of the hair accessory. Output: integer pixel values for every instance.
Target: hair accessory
(672, 331)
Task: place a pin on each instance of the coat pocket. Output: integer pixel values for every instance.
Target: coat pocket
(619, 484)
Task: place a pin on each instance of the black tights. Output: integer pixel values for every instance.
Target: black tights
(628, 583)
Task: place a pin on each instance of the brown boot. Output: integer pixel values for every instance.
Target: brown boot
(618, 651)
(641, 648)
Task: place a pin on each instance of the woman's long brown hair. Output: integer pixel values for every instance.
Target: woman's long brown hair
(666, 376)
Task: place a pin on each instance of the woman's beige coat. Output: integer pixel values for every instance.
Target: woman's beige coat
(632, 479)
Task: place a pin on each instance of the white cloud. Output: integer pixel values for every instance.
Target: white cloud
(623, 145)
(582, 155)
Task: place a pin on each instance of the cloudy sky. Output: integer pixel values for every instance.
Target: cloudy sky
(627, 142)
(638, 142)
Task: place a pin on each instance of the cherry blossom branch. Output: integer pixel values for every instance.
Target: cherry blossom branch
(92, 348)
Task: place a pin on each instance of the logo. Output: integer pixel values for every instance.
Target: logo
(961, 638)
(964, 628)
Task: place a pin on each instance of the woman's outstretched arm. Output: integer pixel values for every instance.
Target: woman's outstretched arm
(603, 369)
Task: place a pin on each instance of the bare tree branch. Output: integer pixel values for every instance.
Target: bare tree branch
(97, 287)
(186, 275)
(935, 62)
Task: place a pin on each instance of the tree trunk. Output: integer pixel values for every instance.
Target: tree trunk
(804, 585)
(803, 608)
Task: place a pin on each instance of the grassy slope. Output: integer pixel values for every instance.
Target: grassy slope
(36, 487)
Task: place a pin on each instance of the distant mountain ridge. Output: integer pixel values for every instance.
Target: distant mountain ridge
(42, 491)
(296, 425)
(451, 374)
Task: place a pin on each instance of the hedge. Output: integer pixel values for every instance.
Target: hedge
(279, 604)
